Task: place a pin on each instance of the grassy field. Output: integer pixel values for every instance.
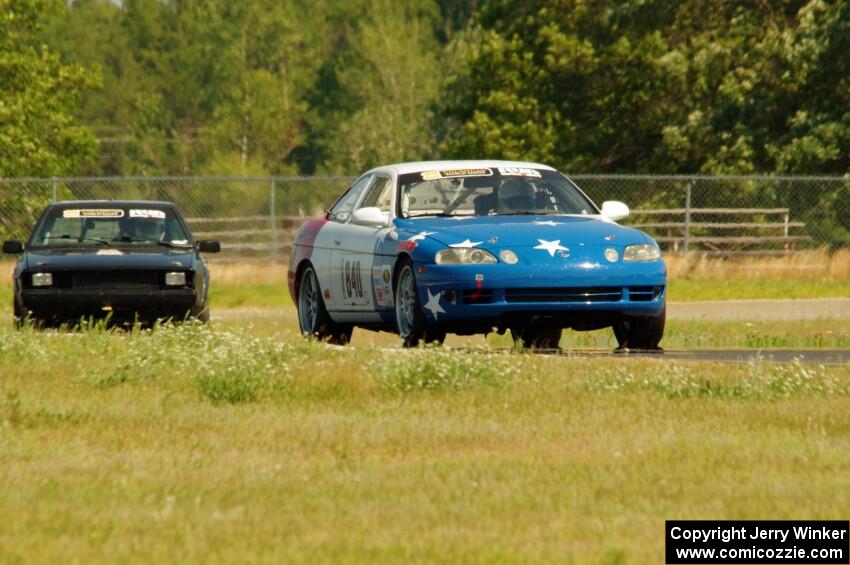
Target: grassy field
(242, 442)
(805, 334)
(275, 315)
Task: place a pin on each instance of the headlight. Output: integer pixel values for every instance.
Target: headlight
(642, 252)
(463, 255)
(508, 256)
(177, 278)
(42, 279)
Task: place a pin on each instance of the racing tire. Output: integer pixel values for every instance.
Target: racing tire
(200, 314)
(409, 319)
(19, 318)
(313, 318)
(530, 338)
(641, 333)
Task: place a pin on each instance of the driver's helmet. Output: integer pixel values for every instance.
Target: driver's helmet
(150, 229)
(125, 228)
(516, 194)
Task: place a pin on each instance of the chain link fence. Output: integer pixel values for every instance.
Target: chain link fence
(255, 217)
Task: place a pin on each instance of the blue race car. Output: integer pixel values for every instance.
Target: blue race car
(470, 247)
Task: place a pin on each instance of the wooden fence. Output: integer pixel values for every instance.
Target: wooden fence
(722, 231)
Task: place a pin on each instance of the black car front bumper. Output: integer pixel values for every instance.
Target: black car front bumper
(122, 305)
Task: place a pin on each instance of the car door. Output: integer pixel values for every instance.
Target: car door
(353, 252)
(325, 242)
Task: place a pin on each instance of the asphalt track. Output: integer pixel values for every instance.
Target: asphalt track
(735, 356)
(714, 311)
(749, 310)
(836, 357)
(833, 357)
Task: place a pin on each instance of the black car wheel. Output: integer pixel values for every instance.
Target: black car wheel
(531, 338)
(313, 317)
(19, 316)
(410, 321)
(200, 313)
(640, 333)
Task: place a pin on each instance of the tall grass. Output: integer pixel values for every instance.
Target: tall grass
(211, 444)
(819, 264)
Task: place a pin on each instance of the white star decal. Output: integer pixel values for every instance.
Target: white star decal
(466, 243)
(546, 223)
(421, 235)
(550, 246)
(433, 304)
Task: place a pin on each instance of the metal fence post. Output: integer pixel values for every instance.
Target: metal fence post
(274, 250)
(688, 187)
(786, 230)
(53, 188)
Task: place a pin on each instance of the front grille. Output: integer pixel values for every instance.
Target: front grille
(117, 280)
(567, 294)
(478, 296)
(644, 293)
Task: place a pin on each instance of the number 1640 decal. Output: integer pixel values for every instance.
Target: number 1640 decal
(352, 282)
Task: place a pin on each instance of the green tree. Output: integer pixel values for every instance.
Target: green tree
(195, 86)
(578, 84)
(39, 134)
(387, 83)
(656, 86)
(270, 57)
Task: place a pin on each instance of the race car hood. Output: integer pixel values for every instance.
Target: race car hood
(521, 231)
(109, 258)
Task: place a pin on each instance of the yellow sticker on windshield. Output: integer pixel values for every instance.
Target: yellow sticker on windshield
(466, 173)
(93, 213)
(452, 173)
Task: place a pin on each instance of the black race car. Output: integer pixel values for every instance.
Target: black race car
(126, 260)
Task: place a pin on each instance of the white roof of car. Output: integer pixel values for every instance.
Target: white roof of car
(420, 166)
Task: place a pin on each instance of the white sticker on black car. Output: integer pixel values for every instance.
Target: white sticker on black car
(151, 214)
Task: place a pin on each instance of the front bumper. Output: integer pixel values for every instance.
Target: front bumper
(578, 294)
(61, 304)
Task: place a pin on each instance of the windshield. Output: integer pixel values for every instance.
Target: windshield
(109, 226)
(490, 192)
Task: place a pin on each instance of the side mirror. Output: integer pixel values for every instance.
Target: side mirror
(209, 246)
(13, 247)
(614, 210)
(369, 216)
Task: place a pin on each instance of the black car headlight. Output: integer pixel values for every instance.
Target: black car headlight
(175, 278)
(42, 279)
(641, 252)
(464, 256)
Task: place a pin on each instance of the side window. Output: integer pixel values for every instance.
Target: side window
(341, 211)
(379, 195)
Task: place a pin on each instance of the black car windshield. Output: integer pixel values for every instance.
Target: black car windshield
(490, 191)
(112, 226)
